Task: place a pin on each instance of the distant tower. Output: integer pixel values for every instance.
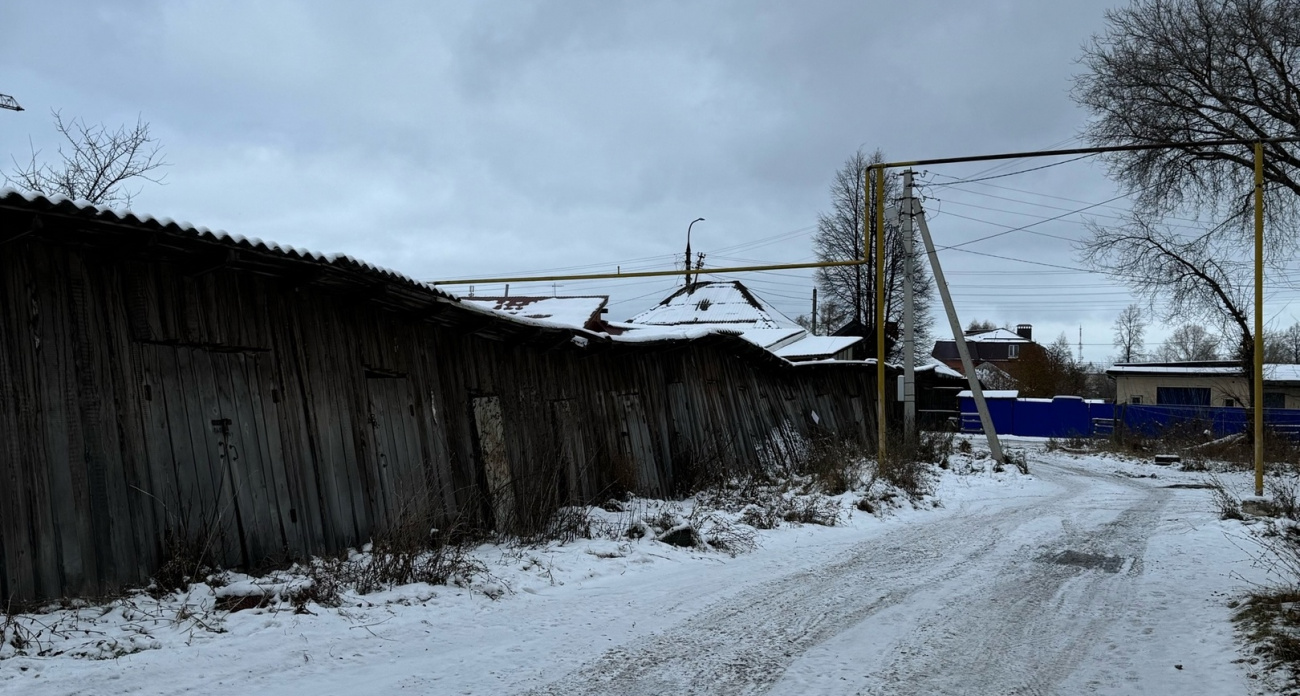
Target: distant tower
(8, 102)
(1080, 343)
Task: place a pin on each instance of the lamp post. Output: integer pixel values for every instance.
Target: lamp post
(688, 249)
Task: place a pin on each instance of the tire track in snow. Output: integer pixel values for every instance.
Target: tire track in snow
(1023, 626)
(745, 644)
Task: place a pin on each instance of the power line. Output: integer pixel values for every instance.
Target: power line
(1022, 171)
(1025, 228)
(1013, 162)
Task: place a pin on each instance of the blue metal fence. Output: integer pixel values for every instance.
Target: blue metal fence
(1216, 421)
(1073, 416)
(1062, 416)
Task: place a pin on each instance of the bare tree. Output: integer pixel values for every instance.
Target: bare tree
(830, 316)
(1196, 277)
(1051, 371)
(978, 325)
(1168, 71)
(1130, 333)
(839, 237)
(1190, 342)
(1291, 341)
(1283, 347)
(95, 164)
(1197, 70)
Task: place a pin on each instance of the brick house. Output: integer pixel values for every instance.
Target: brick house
(992, 351)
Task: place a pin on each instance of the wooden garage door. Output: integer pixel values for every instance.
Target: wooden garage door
(214, 453)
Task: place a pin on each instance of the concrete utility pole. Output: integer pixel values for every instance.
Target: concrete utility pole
(986, 421)
(909, 313)
(814, 313)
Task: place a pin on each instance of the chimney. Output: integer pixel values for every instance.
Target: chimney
(1025, 331)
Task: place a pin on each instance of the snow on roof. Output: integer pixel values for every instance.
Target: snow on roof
(575, 310)
(1173, 370)
(721, 302)
(939, 369)
(722, 306)
(1282, 373)
(996, 336)
(817, 346)
(66, 205)
(764, 338)
(772, 339)
(1272, 372)
(991, 394)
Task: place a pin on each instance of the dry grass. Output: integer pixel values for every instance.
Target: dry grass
(410, 550)
(1271, 622)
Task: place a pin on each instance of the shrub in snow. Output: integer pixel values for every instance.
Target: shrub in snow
(682, 535)
(638, 529)
(761, 516)
(813, 509)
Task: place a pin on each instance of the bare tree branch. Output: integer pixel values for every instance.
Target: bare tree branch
(1195, 278)
(95, 164)
(839, 237)
(1130, 333)
(1180, 70)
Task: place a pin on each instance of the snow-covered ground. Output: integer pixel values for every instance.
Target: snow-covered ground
(1089, 576)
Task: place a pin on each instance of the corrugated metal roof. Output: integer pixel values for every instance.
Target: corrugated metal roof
(997, 336)
(1273, 372)
(573, 310)
(940, 369)
(721, 302)
(724, 306)
(14, 198)
(817, 346)
(505, 327)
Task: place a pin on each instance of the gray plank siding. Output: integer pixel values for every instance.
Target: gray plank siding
(345, 413)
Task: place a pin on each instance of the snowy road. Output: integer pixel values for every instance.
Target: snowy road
(1048, 596)
(1078, 580)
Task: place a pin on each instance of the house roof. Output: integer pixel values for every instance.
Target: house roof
(770, 339)
(996, 336)
(12, 198)
(718, 302)
(991, 394)
(811, 347)
(202, 249)
(573, 310)
(1273, 373)
(722, 306)
(939, 369)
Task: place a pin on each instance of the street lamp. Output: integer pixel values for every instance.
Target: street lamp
(688, 249)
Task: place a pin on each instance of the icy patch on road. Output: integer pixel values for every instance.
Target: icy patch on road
(1080, 559)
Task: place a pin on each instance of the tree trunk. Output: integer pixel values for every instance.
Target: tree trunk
(1247, 354)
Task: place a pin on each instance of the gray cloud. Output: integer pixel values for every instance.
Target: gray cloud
(456, 139)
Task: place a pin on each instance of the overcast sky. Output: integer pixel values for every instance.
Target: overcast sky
(463, 139)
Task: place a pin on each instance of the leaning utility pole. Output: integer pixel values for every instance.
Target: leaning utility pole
(8, 102)
(977, 393)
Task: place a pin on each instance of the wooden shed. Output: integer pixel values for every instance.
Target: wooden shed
(161, 381)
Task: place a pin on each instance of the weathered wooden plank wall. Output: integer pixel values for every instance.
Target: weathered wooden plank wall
(149, 394)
